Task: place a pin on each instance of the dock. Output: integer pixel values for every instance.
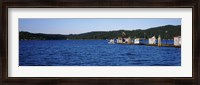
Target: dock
(162, 45)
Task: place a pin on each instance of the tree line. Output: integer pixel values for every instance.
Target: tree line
(166, 32)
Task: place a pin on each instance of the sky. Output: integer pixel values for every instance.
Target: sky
(83, 25)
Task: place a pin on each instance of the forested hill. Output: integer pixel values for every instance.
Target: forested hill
(166, 32)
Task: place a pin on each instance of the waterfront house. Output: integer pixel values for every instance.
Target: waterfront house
(152, 40)
(128, 40)
(124, 40)
(177, 41)
(137, 41)
(120, 40)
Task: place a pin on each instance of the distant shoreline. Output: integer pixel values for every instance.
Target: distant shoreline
(166, 32)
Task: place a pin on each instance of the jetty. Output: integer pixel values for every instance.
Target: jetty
(152, 41)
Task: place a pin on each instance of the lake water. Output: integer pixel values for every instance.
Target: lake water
(94, 53)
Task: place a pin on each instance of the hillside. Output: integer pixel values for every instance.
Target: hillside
(171, 32)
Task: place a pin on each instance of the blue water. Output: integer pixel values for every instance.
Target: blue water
(94, 53)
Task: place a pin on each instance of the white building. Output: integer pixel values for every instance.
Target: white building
(137, 41)
(128, 40)
(124, 40)
(177, 41)
(152, 40)
(119, 40)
